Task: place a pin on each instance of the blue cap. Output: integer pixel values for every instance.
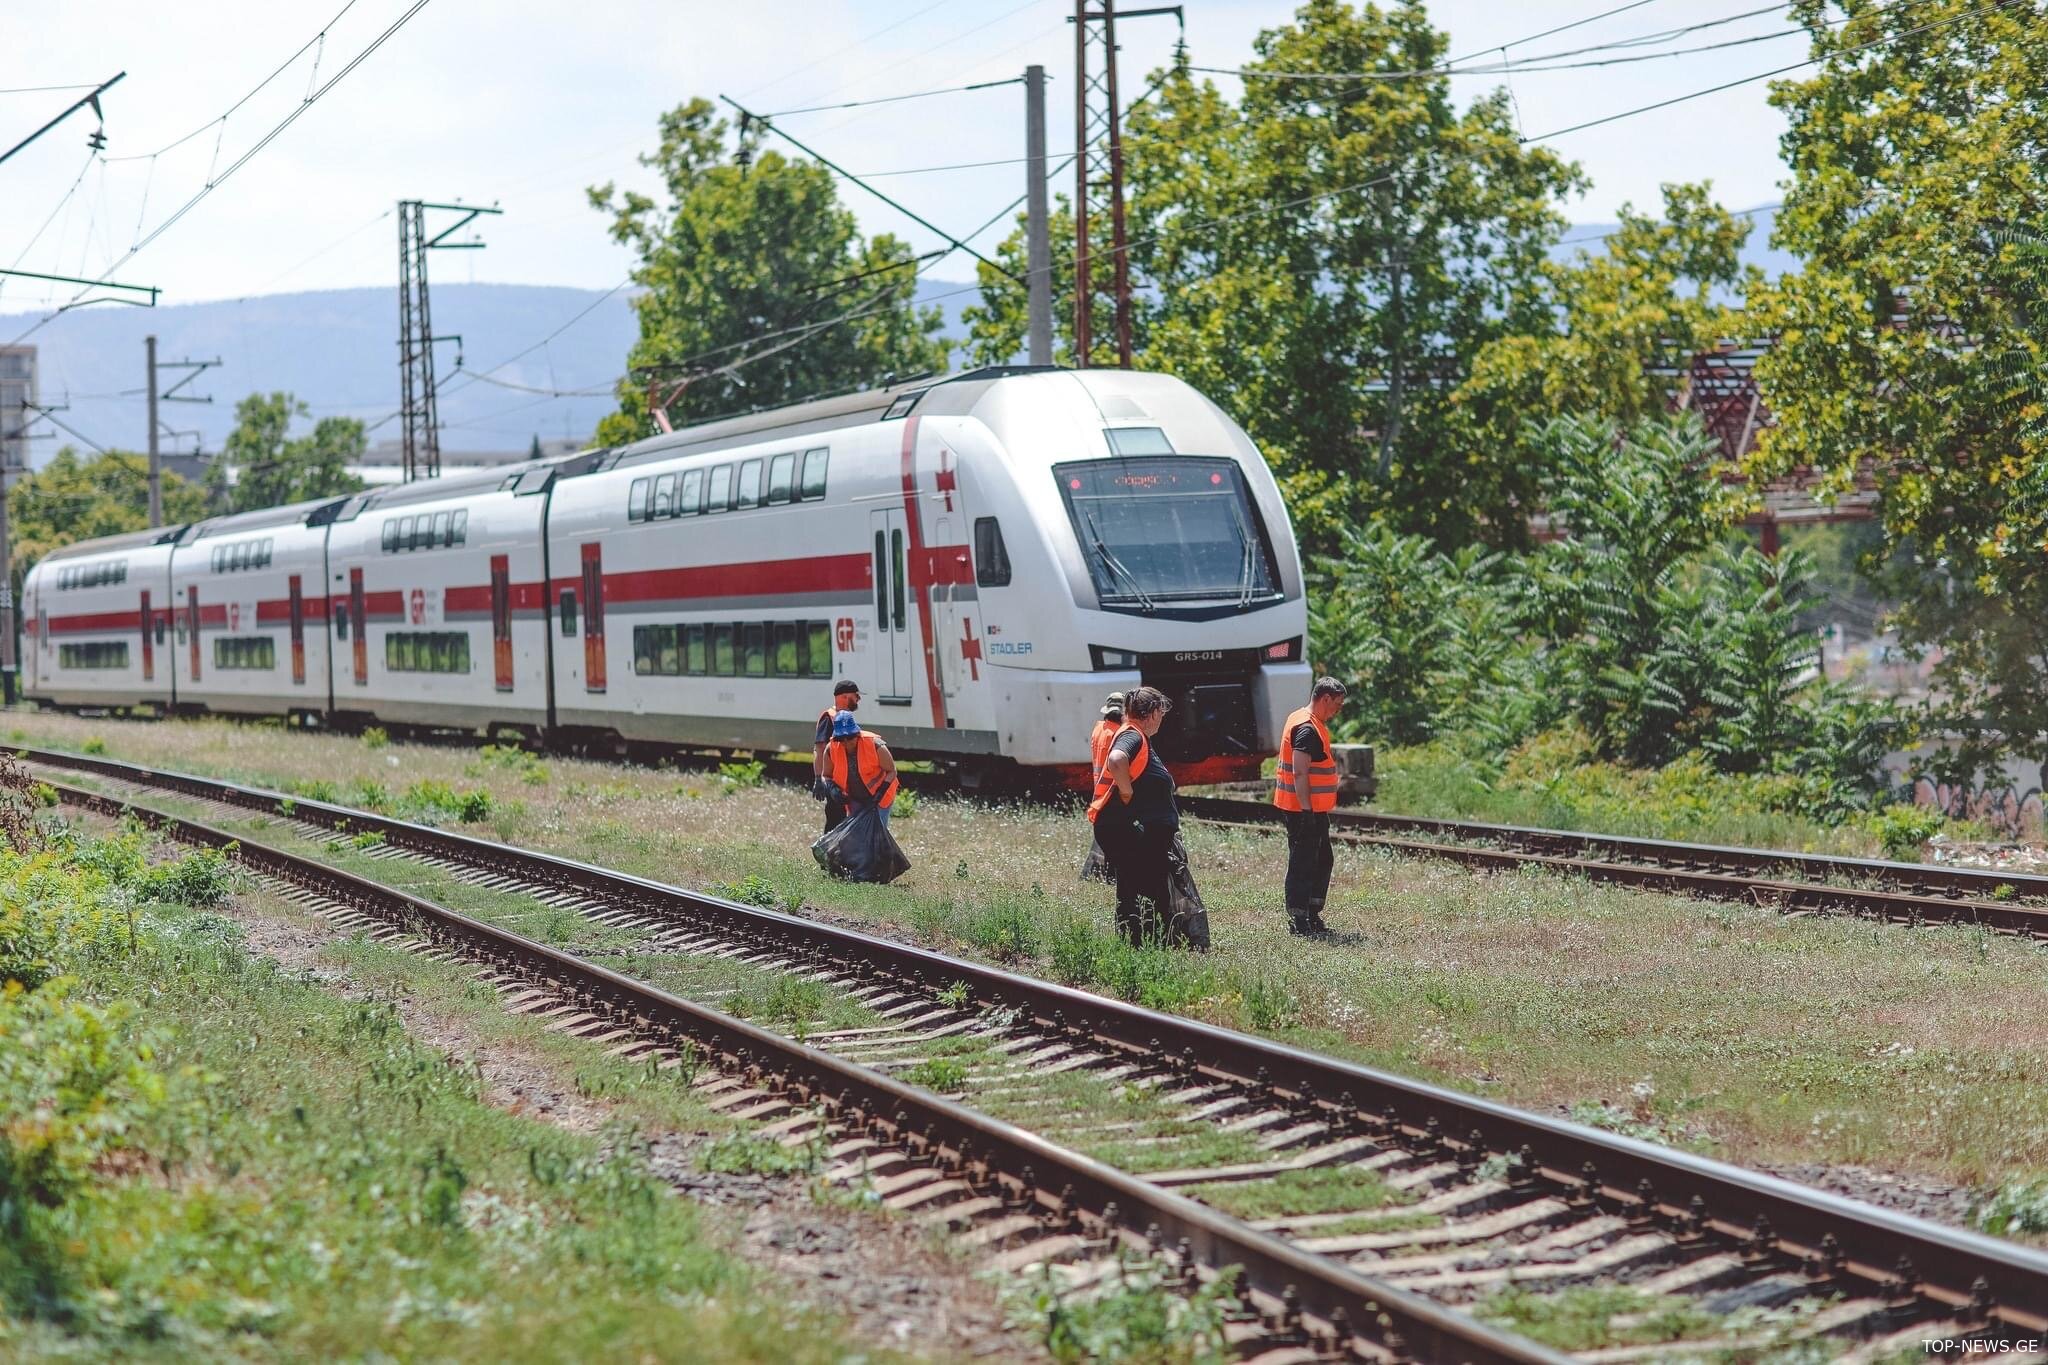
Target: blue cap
(844, 726)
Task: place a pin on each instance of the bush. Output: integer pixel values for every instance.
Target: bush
(1903, 831)
(374, 737)
(431, 800)
(904, 807)
(203, 877)
(93, 745)
(751, 889)
(737, 777)
(2019, 1209)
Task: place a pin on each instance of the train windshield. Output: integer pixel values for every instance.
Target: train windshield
(1169, 528)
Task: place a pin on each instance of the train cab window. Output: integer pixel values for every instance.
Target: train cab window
(390, 534)
(664, 496)
(690, 501)
(785, 650)
(722, 652)
(814, 474)
(695, 659)
(340, 623)
(636, 501)
(443, 527)
(991, 557)
(749, 492)
(781, 479)
(754, 649)
(720, 494)
(817, 660)
(459, 528)
(568, 613)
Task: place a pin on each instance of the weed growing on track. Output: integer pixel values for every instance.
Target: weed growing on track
(1322, 1189)
(944, 1074)
(748, 1154)
(219, 1161)
(1781, 1040)
(2019, 1209)
(1139, 1316)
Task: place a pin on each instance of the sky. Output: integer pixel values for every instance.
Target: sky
(525, 103)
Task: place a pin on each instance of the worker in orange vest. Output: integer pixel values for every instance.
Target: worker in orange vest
(845, 697)
(1305, 787)
(1096, 867)
(1136, 818)
(857, 755)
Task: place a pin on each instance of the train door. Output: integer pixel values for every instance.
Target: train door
(501, 620)
(362, 624)
(192, 623)
(593, 617)
(894, 653)
(148, 648)
(298, 633)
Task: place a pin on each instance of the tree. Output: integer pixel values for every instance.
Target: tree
(71, 499)
(1629, 320)
(1910, 343)
(272, 467)
(758, 289)
(1326, 258)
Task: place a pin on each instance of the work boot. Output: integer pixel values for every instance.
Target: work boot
(1305, 923)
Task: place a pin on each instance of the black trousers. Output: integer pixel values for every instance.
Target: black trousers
(1308, 862)
(1139, 861)
(835, 814)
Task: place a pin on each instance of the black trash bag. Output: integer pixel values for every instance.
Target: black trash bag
(1096, 867)
(1187, 919)
(861, 849)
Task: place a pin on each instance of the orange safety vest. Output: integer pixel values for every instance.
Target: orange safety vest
(1105, 785)
(870, 770)
(1099, 741)
(1322, 774)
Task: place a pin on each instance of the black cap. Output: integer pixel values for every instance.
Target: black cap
(845, 685)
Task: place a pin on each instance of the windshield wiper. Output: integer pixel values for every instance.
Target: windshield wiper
(1116, 567)
(1247, 565)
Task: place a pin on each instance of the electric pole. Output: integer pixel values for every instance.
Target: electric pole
(1099, 168)
(193, 368)
(156, 468)
(419, 415)
(1037, 221)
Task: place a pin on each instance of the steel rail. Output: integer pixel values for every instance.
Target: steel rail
(1057, 1185)
(1879, 1251)
(1787, 881)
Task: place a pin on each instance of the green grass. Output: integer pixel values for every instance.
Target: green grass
(1322, 1189)
(1735, 1029)
(223, 1161)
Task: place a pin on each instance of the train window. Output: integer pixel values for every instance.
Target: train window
(721, 652)
(694, 660)
(268, 544)
(159, 629)
(749, 492)
(655, 650)
(664, 496)
(404, 533)
(247, 652)
(881, 580)
(785, 650)
(94, 654)
(896, 577)
(398, 652)
(636, 501)
(754, 649)
(568, 613)
(818, 657)
(814, 474)
(390, 534)
(443, 529)
(691, 500)
(340, 623)
(643, 649)
(721, 489)
(461, 527)
(238, 556)
(1138, 441)
(422, 531)
(991, 556)
(781, 479)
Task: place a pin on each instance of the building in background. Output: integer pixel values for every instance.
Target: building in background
(384, 463)
(17, 392)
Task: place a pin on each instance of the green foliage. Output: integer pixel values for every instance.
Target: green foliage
(274, 467)
(751, 244)
(751, 889)
(93, 745)
(375, 737)
(944, 1074)
(747, 1154)
(954, 996)
(905, 805)
(524, 764)
(317, 789)
(366, 839)
(1005, 931)
(1902, 831)
(431, 800)
(1908, 347)
(201, 878)
(72, 499)
(2018, 1209)
(1140, 1316)
(1591, 1317)
(741, 776)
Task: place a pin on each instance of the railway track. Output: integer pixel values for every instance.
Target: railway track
(1798, 883)
(1360, 1189)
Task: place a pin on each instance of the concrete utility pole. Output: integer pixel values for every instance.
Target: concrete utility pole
(1037, 221)
(156, 468)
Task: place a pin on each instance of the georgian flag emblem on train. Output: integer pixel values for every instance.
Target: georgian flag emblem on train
(418, 604)
(844, 630)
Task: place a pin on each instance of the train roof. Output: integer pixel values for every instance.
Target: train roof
(306, 513)
(528, 476)
(127, 540)
(828, 414)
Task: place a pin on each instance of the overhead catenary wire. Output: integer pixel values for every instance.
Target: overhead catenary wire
(894, 99)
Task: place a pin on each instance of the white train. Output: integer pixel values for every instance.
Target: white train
(987, 555)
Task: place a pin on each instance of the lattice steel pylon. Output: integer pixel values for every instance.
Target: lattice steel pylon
(1099, 170)
(418, 407)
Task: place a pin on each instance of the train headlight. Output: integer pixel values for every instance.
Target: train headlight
(1286, 651)
(1105, 657)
